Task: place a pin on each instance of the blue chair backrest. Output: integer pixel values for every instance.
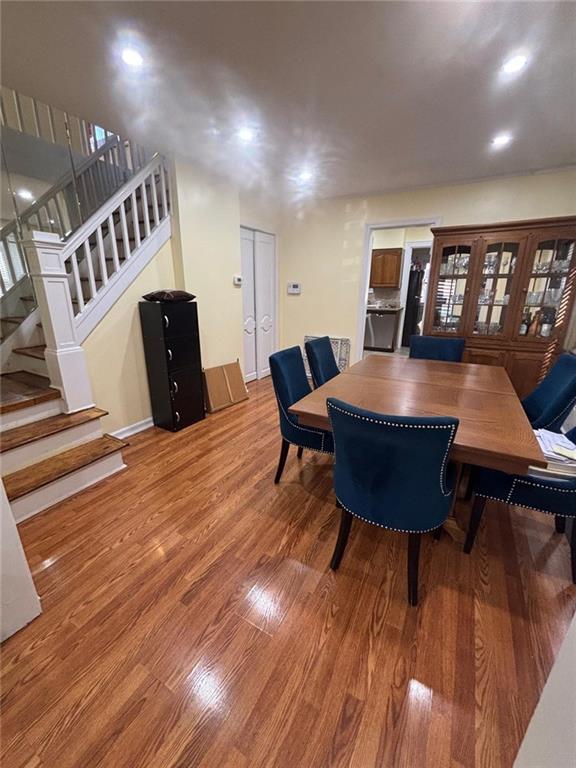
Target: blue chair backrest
(391, 470)
(550, 403)
(432, 348)
(289, 376)
(320, 355)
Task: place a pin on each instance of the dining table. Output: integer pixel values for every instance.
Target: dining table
(493, 429)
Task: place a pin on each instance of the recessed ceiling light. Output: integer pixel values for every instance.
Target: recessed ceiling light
(501, 140)
(306, 175)
(246, 134)
(132, 58)
(25, 194)
(515, 64)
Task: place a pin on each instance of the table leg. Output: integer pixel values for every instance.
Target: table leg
(451, 524)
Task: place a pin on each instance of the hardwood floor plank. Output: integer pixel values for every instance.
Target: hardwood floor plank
(191, 619)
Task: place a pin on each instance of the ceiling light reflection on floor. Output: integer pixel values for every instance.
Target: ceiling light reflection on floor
(207, 687)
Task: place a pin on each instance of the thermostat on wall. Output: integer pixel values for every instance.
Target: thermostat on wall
(294, 288)
(237, 280)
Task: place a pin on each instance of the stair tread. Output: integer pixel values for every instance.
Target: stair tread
(22, 389)
(13, 319)
(29, 433)
(36, 351)
(53, 468)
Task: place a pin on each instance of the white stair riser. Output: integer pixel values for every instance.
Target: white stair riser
(32, 413)
(24, 455)
(32, 503)
(19, 362)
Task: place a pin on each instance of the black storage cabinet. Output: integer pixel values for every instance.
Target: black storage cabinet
(172, 350)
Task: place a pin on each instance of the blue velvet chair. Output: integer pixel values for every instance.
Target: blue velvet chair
(550, 403)
(290, 385)
(432, 348)
(392, 471)
(552, 495)
(321, 359)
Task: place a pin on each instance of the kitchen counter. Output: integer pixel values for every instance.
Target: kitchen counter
(385, 310)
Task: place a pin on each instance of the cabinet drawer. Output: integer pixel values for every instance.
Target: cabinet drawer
(182, 352)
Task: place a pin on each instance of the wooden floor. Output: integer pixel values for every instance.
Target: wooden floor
(191, 620)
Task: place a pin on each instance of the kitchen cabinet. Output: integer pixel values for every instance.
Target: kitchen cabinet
(508, 289)
(386, 268)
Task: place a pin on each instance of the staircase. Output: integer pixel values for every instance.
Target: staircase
(61, 270)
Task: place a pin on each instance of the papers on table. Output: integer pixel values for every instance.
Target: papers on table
(559, 452)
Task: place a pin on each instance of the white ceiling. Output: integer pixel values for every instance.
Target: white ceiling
(373, 96)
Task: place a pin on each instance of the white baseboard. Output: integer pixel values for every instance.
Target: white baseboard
(132, 429)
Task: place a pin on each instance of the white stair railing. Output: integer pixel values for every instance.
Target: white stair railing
(78, 281)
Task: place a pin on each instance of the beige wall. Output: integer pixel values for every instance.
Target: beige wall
(114, 349)
(208, 217)
(323, 245)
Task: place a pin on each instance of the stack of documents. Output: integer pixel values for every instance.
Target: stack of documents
(559, 452)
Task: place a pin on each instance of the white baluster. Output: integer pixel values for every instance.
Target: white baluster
(163, 188)
(125, 237)
(112, 236)
(77, 282)
(101, 256)
(36, 118)
(135, 219)
(145, 211)
(90, 267)
(65, 358)
(154, 193)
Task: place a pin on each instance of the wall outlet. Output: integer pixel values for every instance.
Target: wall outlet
(294, 289)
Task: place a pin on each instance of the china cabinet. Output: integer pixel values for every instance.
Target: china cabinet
(508, 289)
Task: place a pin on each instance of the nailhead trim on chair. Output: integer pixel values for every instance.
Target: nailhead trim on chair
(410, 426)
(305, 429)
(388, 527)
(524, 506)
(565, 411)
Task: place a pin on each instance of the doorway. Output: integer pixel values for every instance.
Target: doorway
(258, 254)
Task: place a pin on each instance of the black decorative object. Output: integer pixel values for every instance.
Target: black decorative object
(173, 363)
(169, 296)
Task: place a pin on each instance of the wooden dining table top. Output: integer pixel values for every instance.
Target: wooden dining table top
(493, 432)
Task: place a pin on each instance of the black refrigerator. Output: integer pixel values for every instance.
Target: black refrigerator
(414, 308)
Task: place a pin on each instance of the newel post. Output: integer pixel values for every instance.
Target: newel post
(65, 358)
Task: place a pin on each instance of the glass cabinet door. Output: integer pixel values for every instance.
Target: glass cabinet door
(451, 288)
(494, 292)
(544, 300)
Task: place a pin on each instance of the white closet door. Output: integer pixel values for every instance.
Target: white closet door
(248, 303)
(265, 279)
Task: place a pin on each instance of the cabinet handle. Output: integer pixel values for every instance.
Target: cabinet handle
(175, 383)
(177, 418)
(170, 355)
(166, 321)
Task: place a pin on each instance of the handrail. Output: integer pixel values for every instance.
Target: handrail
(81, 234)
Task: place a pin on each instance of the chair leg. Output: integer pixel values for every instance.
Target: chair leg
(282, 461)
(573, 550)
(343, 533)
(300, 452)
(475, 518)
(559, 523)
(438, 532)
(413, 558)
